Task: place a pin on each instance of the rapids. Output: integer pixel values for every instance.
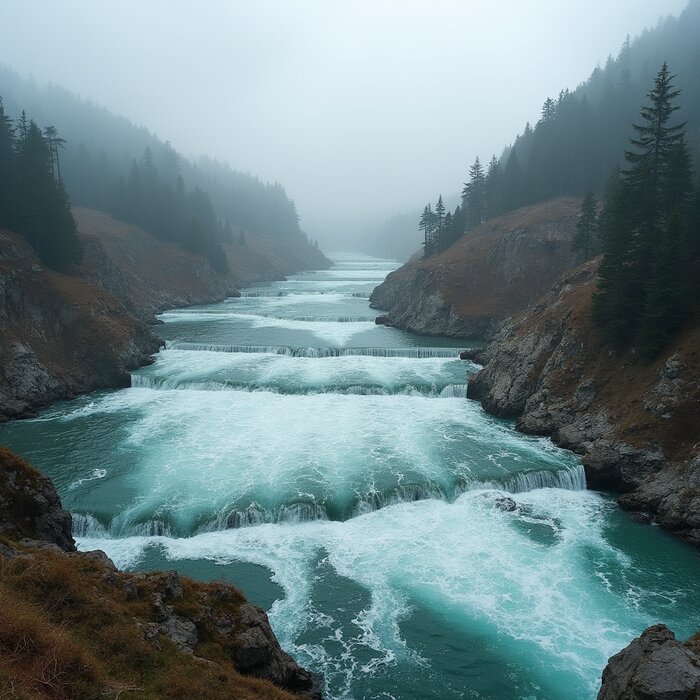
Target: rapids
(405, 543)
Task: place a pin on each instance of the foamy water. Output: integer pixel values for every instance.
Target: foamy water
(416, 547)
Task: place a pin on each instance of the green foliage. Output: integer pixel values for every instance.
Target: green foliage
(665, 307)
(647, 232)
(474, 196)
(586, 238)
(33, 201)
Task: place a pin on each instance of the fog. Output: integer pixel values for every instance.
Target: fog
(361, 109)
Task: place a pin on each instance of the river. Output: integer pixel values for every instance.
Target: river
(405, 544)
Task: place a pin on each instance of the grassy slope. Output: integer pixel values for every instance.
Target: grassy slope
(72, 627)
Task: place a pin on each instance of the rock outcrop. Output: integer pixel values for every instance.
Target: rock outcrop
(488, 275)
(653, 667)
(60, 335)
(72, 625)
(635, 423)
(66, 334)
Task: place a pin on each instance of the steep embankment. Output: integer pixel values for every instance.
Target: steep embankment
(486, 276)
(654, 666)
(64, 334)
(59, 334)
(72, 625)
(635, 423)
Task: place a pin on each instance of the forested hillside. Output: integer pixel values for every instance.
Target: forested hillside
(105, 162)
(581, 135)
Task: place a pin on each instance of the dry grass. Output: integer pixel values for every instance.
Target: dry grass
(502, 265)
(67, 630)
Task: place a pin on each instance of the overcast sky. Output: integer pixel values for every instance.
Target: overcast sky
(361, 109)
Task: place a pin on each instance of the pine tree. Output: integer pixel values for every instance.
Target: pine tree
(493, 189)
(513, 183)
(474, 196)
(7, 170)
(439, 224)
(55, 142)
(666, 298)
(615, 304)
(43, 210)
(645, 229)
(585, 239)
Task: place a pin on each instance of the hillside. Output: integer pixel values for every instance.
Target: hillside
(73, 626)
(486, 276)
(64, 334)
(635, 423)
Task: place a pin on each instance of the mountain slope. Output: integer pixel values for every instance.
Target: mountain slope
(64, 334)
(73, 626)
(495, 271)
(635, 423)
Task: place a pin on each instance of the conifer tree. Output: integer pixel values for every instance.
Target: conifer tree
(493, 187)
(43, 210)
(7, 169)
(439, 223)
(585, 239)
(667, 293)
(645, 229)
(474, 196)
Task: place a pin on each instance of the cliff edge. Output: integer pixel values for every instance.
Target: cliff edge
(72, 625)
(491, 273)
(635, 423)
(66, 334)
(654, 667)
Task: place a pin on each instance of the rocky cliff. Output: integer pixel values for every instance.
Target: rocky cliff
(491, 273)
(654, 667)
(635, 423)
(64, 334)
(72, 625)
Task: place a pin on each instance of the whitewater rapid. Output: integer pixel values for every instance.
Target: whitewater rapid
(405, 543)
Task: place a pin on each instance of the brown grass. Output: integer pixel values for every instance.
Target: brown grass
(67, 630)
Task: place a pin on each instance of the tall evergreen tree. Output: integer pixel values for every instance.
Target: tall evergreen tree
(7, 169)
(585, 239)
(644, 218)
(474, 196)
(43, 210)
(493, 189)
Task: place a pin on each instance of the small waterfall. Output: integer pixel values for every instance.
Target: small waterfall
(334, 319)
(454, 391)
(254, 295)
(376, 500)
(155, 383)
(255, 514)
(410, 353)
(570, 478)
(86, 525)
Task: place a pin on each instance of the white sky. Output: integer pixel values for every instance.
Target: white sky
(361, 109)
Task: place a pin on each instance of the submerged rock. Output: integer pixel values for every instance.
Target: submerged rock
(654, 666)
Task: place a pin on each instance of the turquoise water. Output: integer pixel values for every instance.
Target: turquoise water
(334, 470)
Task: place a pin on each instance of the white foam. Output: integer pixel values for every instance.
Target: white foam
(469, 561)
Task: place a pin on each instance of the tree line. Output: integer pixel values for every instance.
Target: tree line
(110, 164)
(580, 134)
(649, 277)
(33, 199)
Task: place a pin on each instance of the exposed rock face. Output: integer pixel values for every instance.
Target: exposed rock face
(160, 611)
(488, 275)
(65, 334)
(635, 423)
(30, 507)
(653, 667)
